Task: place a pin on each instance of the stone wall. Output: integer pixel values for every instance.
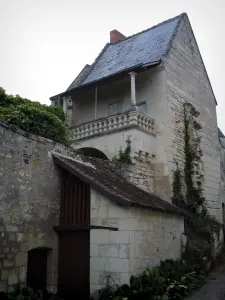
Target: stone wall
(29, 203)
(188, 82)
(140, 172)
(144, 237)
(143, 152)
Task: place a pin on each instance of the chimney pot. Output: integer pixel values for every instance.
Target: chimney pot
(116, 36)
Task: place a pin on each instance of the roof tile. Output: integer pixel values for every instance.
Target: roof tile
(100, 176)
(143, 48)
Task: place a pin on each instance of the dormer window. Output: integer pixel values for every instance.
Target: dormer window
(115, 108)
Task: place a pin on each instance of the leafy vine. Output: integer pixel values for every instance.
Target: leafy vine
(124, 157)
(187, 183)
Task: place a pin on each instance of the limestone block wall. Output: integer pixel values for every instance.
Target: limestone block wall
(144, 237)
(187, 81)
(141, 173)
(29, 203)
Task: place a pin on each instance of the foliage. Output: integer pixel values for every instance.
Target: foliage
(34, 117)
(26, 293)
(188, 193)
(124, 157)
(193, 155)
(170, 280)
(178, 198)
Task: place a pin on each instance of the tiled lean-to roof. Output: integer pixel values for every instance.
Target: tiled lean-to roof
(144, 48)
(101, 177)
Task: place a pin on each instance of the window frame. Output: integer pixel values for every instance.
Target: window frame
(119, 109)
(141, 103)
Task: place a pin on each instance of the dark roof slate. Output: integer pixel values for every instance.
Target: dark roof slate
(146, 47)
(80, 77)
(100, 176)
(220, 133)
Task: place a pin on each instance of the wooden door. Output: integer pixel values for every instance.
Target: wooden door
(73, 267)
(37, 269)
(74, 242)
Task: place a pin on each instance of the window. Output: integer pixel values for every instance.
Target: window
(142, 107)
(115, 108)
(37, 265)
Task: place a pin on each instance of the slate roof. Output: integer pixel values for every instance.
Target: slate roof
(80, 77)
(101, 177)
(144, 48)
(220, 133)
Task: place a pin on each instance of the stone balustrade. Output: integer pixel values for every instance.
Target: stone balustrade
(132, 119)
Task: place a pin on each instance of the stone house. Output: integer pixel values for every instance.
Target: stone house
(72, 224)
(81, 221)
(136, 88)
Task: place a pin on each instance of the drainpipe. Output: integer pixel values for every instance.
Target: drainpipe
(133, 89)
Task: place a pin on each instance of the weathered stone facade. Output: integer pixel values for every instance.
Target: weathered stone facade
(29, 206)
(179, 78)
(187, 81)
(29, 209)
(144, 237)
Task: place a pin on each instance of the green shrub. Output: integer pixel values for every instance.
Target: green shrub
(171, 280)
(26, 293)
(34, 117)
(124, 157)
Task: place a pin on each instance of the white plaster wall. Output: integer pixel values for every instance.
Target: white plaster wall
(144, 238)
(188, 82)
(110, 144)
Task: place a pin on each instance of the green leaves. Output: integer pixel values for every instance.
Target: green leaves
(124, 156)
(172, 280)
(34, 117)
(26, 293)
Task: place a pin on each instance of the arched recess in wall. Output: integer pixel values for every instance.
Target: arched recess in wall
(92, 152)
(37, 263)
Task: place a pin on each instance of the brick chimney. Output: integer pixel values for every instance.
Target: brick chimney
(116, 36)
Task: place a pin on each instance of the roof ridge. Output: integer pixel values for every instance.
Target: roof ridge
(96, 60)
(150, 28)
(174, 33)
(77, 77)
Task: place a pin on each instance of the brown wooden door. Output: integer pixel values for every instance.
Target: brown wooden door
(73, 266)
(37, 268)
(74, 243)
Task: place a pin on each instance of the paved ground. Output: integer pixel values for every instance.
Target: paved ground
(214, 289)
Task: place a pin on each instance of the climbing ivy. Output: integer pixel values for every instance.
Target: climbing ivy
(193, 156)
(178, 198)
(187, 182)
(124, 157)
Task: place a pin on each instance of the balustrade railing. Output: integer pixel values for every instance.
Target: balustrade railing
(114, 123)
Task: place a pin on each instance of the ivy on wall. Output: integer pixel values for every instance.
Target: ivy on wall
(124, 157)
(188, 185)
(34, 117)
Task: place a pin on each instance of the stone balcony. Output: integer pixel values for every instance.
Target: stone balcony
(128, 120)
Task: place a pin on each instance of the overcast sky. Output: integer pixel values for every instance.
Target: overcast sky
(45, 43)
